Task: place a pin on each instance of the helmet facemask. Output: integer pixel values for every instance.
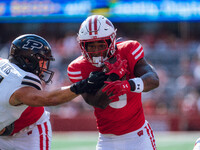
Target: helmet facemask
(98, 57)
(43, 71)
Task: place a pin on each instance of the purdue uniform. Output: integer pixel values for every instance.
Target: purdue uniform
(26, 127)
(23, 118)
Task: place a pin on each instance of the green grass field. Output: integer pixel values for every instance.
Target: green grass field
(87, 140)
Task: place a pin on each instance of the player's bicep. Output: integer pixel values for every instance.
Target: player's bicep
(148, 74)
(142, 67)
(29, 91)
(27, 95)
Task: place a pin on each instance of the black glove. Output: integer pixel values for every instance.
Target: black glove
(9, 130)
(90, 85)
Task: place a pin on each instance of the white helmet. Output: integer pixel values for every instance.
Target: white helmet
(97, 28)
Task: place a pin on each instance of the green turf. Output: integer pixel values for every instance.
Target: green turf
(176, 141)
(87, 140)
(74, 141)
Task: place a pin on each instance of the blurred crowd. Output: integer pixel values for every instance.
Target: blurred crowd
(176, 60)
(178, 65)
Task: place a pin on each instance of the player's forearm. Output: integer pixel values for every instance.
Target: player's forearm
(150, 80)
(37, 98)
(59, 96)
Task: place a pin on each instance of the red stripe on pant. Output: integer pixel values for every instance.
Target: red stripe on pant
(46, 132)
(154, 142)
(41, 136)
(151, 136)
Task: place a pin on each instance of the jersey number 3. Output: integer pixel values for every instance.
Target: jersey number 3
(120, 103)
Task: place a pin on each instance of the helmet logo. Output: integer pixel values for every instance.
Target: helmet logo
(32, 44)
(93, 25)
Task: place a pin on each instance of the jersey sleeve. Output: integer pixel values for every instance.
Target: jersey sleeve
(74, 73)
(134, 52)
(15, 80)
(31, 80)
(79, 69)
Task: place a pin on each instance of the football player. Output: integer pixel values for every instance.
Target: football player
(23, 125)
(120, 117)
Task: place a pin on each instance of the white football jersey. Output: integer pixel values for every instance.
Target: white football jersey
(13, 78)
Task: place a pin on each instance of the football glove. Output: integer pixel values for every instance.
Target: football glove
(116, 88)
(117, 69)
(90, 85)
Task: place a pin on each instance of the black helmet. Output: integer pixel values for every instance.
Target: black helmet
(28, 50)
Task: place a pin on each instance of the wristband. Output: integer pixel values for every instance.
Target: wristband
(138, 85)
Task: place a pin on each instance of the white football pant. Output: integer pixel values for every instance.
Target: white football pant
(34, 137)
(141, 139)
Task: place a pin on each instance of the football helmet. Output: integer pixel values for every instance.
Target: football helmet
(32, 53)
(97, 28)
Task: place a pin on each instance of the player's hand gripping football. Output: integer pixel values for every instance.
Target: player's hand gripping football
(90, 85)
(117, 69)
(116, 88)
